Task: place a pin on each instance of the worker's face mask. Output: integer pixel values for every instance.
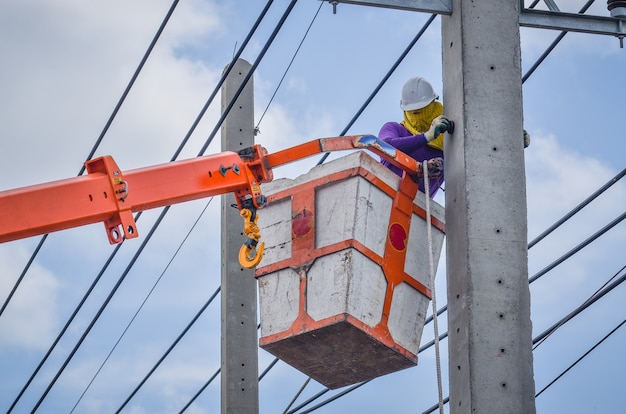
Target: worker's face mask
(418, 121)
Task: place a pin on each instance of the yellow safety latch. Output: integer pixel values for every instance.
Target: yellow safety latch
(251, 252)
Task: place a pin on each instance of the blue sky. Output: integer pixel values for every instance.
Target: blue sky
(66, 63)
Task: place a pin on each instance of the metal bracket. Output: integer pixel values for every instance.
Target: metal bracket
(122, 224)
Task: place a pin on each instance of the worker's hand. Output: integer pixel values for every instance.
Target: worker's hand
(526, 139)
(439, 125)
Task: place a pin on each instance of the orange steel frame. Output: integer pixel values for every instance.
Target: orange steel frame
(108, 195)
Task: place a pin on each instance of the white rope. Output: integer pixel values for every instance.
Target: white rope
(431, 263)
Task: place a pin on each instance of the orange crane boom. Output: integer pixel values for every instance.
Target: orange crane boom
(106, 194)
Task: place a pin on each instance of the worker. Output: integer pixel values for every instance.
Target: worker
(420, 134)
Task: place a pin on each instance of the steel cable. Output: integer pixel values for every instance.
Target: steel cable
(99, 140)
(154, 285)
(536, 276)
(583, 356)
(383, 81)
(169, 349)
(163, 213)
(539, 338)
(223, 117)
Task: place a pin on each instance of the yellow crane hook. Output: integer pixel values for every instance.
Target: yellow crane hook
(251, 251)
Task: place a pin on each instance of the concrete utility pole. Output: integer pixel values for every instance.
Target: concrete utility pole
(490, 335)
(239, 374)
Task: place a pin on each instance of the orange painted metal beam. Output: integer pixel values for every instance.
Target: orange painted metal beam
(369, 142)
(107, 194)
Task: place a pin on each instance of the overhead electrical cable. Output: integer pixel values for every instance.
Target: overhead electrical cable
(364, 106)
(256, 129)
(578, 248)
(594, 298)
(216, 89)
(355, 386)
(554, 43)
(169, 349)
(206, 384)
(201, 114)
(64, 329)
(225, 74)
(244, 82)
(434, 407)
(578, 208)
(524, 78)
(597, 295)
(313, 398)
(231, 104)
(334, 397)
(383, 81)
(246, 79)
(295, 398)
(583, 356)
(98, 313)
(100, 138)
(606, 288)
(166, 209)
(148, 295)
(196, 395)
(268, 369)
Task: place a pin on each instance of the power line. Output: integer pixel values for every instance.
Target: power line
(554, 43)
(163, 213)
(525, 77)
(206, 384)
(262, 53)
(229, 107)
(578, 208)
(383, 81)
(266, 46)
(171, 347)
(119, 339)
(590, 301)
(100, 310)
(225, 113)
(225, 74)
(64, 329)
(196, 395)
(333, 398)
(600, 293)
(581, 358)
(165, 210)
(594, 298)
(579, 247)
(223, 78)
(256, 129)
(99, 139)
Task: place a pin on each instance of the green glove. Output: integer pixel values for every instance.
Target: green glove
(438, 126)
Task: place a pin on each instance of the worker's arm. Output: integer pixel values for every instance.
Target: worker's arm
(395, 134)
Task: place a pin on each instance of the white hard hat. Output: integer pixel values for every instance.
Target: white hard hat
(416, 94)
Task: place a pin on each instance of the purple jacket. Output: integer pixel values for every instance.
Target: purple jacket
(414, 146)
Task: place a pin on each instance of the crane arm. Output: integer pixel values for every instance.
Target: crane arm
(108, 195)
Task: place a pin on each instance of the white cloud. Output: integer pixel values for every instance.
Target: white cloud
(558, 179)
(30, 319)
(67, 73)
